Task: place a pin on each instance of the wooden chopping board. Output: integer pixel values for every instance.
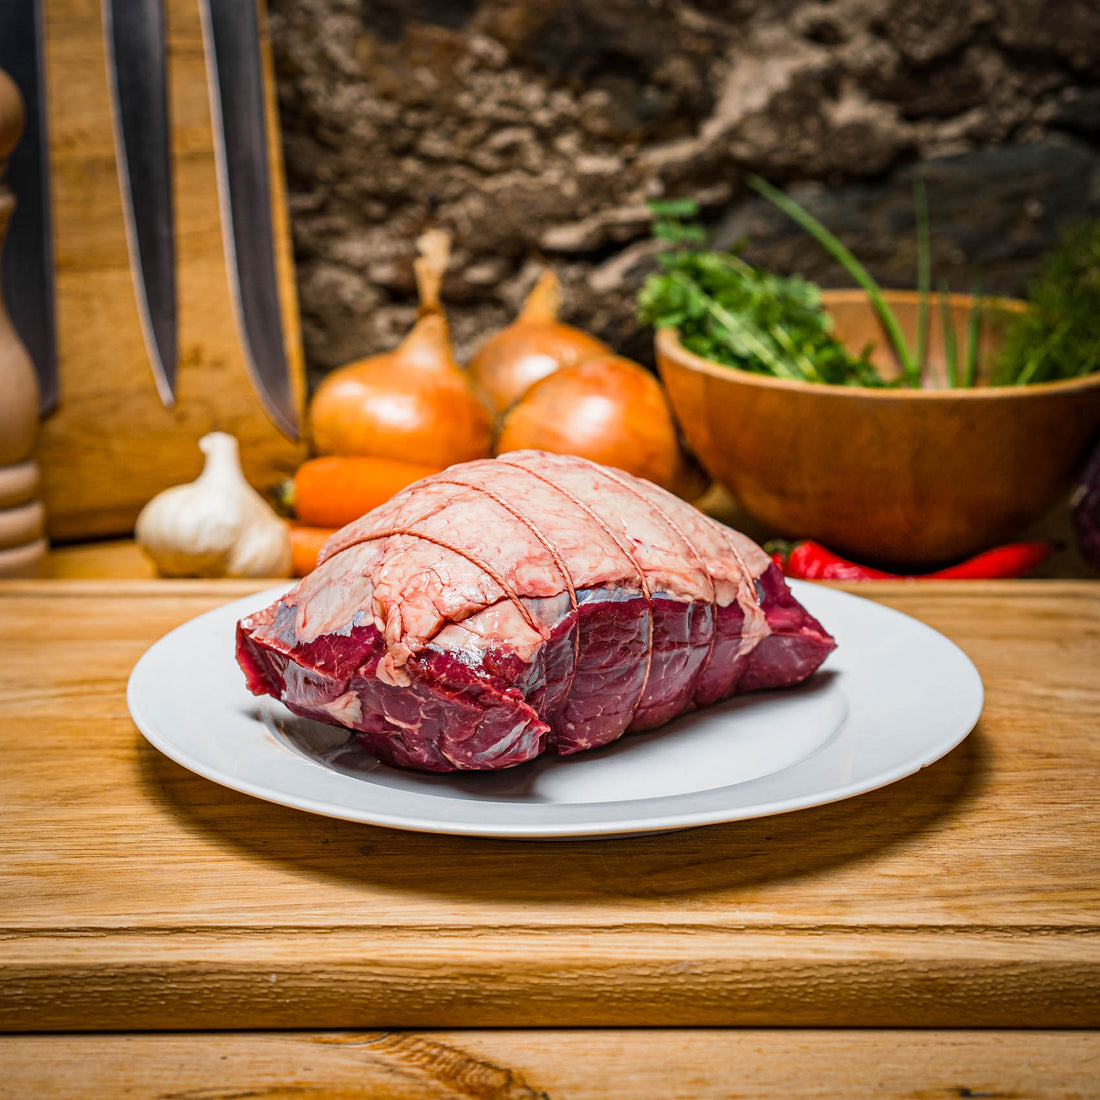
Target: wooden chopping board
(136, 894)
(112, 445)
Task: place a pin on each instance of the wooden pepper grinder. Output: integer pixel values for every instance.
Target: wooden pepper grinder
(22, 517)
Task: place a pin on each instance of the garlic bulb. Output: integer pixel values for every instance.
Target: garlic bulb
(216, 526)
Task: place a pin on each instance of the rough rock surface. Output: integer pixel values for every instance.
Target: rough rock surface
(537, 130)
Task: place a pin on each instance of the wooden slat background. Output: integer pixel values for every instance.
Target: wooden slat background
(112, 445)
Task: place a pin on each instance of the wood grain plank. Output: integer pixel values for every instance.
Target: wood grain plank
(109, 558)
(500, 976)
(966, 894)
(558, 1065)
(111, 445)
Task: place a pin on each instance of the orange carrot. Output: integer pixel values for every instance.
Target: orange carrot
(336, 489)
(305, 545)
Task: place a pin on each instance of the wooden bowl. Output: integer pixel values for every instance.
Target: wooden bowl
(902, 477)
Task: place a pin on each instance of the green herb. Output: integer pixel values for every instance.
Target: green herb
(672, 210)
(950, 348)
(669, 225)
(1058, 335)
(912, 362)
(910, 367)
(973, 338)
(728, 311)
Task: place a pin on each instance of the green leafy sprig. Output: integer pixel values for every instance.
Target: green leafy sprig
(1058, 335)
(910, 365)
(730, 312)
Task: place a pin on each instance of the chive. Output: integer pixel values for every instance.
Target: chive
(973, 337)
(951, 351)
(782, 337)
(734, 263)
(889, 320)
(924, 270)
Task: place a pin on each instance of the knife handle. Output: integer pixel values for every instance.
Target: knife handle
(21, 517)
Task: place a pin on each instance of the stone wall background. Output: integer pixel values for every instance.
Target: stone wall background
(536, 131)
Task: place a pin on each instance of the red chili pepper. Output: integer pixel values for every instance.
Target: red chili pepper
(1014, 559)
(813, 562)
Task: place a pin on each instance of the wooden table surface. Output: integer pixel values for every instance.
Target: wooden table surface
(140, 899)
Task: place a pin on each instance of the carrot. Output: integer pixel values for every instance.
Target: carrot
(336, 489)
(305, 545)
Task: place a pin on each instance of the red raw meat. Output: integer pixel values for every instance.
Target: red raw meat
(527, 603)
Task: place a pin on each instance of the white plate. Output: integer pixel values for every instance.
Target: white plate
(893, 697)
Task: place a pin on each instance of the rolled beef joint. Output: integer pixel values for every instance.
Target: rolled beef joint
(524, 604)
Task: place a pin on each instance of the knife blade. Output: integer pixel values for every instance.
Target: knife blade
(28, 253)
(135, 35)
(231, 41)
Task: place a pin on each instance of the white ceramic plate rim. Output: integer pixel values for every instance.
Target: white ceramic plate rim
(912, 696)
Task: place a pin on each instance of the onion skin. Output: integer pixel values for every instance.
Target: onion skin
(414, 404)
(509, 363)
(607, 409)
(534, 345)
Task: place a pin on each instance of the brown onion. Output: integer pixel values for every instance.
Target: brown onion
(414, 403)
(607, 409)
(534, 345)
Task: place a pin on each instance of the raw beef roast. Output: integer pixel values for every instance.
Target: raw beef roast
(530, 602)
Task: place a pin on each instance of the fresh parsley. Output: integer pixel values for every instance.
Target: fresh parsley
(726, 310)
